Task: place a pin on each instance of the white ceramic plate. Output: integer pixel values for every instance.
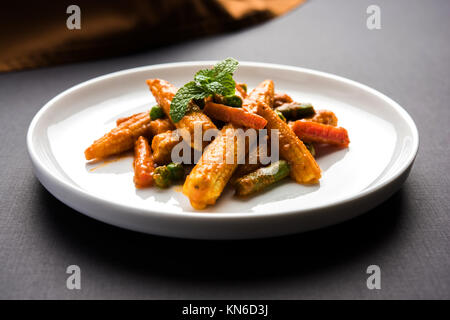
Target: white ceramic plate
(384, 143)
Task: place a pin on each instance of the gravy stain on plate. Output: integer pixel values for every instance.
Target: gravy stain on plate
(108, 161)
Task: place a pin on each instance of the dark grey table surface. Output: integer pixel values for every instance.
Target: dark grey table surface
(407, 236)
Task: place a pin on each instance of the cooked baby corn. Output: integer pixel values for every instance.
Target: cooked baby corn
(162, 145)
(160, 125)
(157, 126)
(121, 138)
(264, 92)
(209, 177)
(182, 117)
(123, 119)
(143, 163)
(304, 169)
(164, 92)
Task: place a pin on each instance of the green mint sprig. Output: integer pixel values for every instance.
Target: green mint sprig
(207, 82)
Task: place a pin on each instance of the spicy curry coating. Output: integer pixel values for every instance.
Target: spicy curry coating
(143, 164)
(123, 137)
(210, 175)
(163, 91)
(304, 168)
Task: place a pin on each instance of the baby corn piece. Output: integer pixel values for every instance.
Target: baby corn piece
(123, 119)
(264, 92)
(162, 145)
(121, 138)
(156, 126)
(208, 178)
(160, 125)
(164, 92)
(304, 168)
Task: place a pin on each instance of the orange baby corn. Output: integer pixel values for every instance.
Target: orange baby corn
(210, 175)
(322, 133)
(143, 163)
(207, 180)
(162, 145)
(304, 168)
(121, 138)
(264, 92)
(164, 92)
(123, 119)
(156, 126)
(237, 116)
(160, 125)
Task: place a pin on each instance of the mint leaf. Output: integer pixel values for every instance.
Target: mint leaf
(203, 76)
(218, 80)
(184, 95)
(229, 65)
(222, 69)
(228, 85)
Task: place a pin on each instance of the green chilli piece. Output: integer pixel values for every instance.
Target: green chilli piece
(231, 101)
(156, 112)
(243, 86)
(282, 117)
(295, 111)
(311, 148)
(262, 178)
(164, 176)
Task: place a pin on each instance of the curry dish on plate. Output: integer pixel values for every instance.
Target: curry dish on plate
(214, 105)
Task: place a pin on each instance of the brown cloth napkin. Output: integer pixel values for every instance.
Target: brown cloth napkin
(34, 34)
